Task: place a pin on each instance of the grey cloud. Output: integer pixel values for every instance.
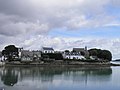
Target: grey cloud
(11, 26)
(16, 7)
(55, 13)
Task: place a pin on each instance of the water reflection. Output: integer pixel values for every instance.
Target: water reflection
(52, 75)
(9, 77)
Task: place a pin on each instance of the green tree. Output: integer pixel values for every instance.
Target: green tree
(102, 54)
(93, 52)
(82, 53)
(56, 56)
(106, 55)
(10, 52)
(67, 51)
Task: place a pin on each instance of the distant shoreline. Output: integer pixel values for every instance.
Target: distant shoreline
(63, 64)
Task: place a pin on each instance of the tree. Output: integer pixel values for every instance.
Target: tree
(10, 52)
(93, 52)
(102, 54)
(56, 56)
(67, 51)
(106, 55)
(82, 53)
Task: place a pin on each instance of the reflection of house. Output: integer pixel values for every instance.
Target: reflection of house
(47, 50)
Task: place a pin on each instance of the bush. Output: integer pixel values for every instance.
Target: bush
(56, 56)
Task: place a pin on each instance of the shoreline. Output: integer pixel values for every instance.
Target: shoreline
(61, 64)
(72, 64)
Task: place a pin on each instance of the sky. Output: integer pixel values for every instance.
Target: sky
(61, 24)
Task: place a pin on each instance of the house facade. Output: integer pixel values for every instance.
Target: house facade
(47, 50)
(72, 55)
(77, 53)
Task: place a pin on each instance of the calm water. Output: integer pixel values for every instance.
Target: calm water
(115, 62)
(36, 78)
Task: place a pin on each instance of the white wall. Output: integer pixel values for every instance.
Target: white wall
(48, 51)
(74, 57)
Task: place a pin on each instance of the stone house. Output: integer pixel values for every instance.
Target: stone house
(83, 51)
(26, 55)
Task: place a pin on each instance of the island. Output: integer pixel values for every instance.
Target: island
(47, 56)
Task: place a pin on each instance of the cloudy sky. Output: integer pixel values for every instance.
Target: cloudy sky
(62, 24)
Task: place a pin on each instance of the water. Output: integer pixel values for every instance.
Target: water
(115, 62)
(59, 78)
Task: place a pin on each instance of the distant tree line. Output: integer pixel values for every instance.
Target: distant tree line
(102, 54)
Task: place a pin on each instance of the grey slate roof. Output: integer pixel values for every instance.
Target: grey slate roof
(37, 53)
(78, 49)
(27, 53)
(48, 48)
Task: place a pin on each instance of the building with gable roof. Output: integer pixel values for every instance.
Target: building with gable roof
(47, 50)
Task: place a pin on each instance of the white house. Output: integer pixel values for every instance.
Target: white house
(47, 50)
(72, 55)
